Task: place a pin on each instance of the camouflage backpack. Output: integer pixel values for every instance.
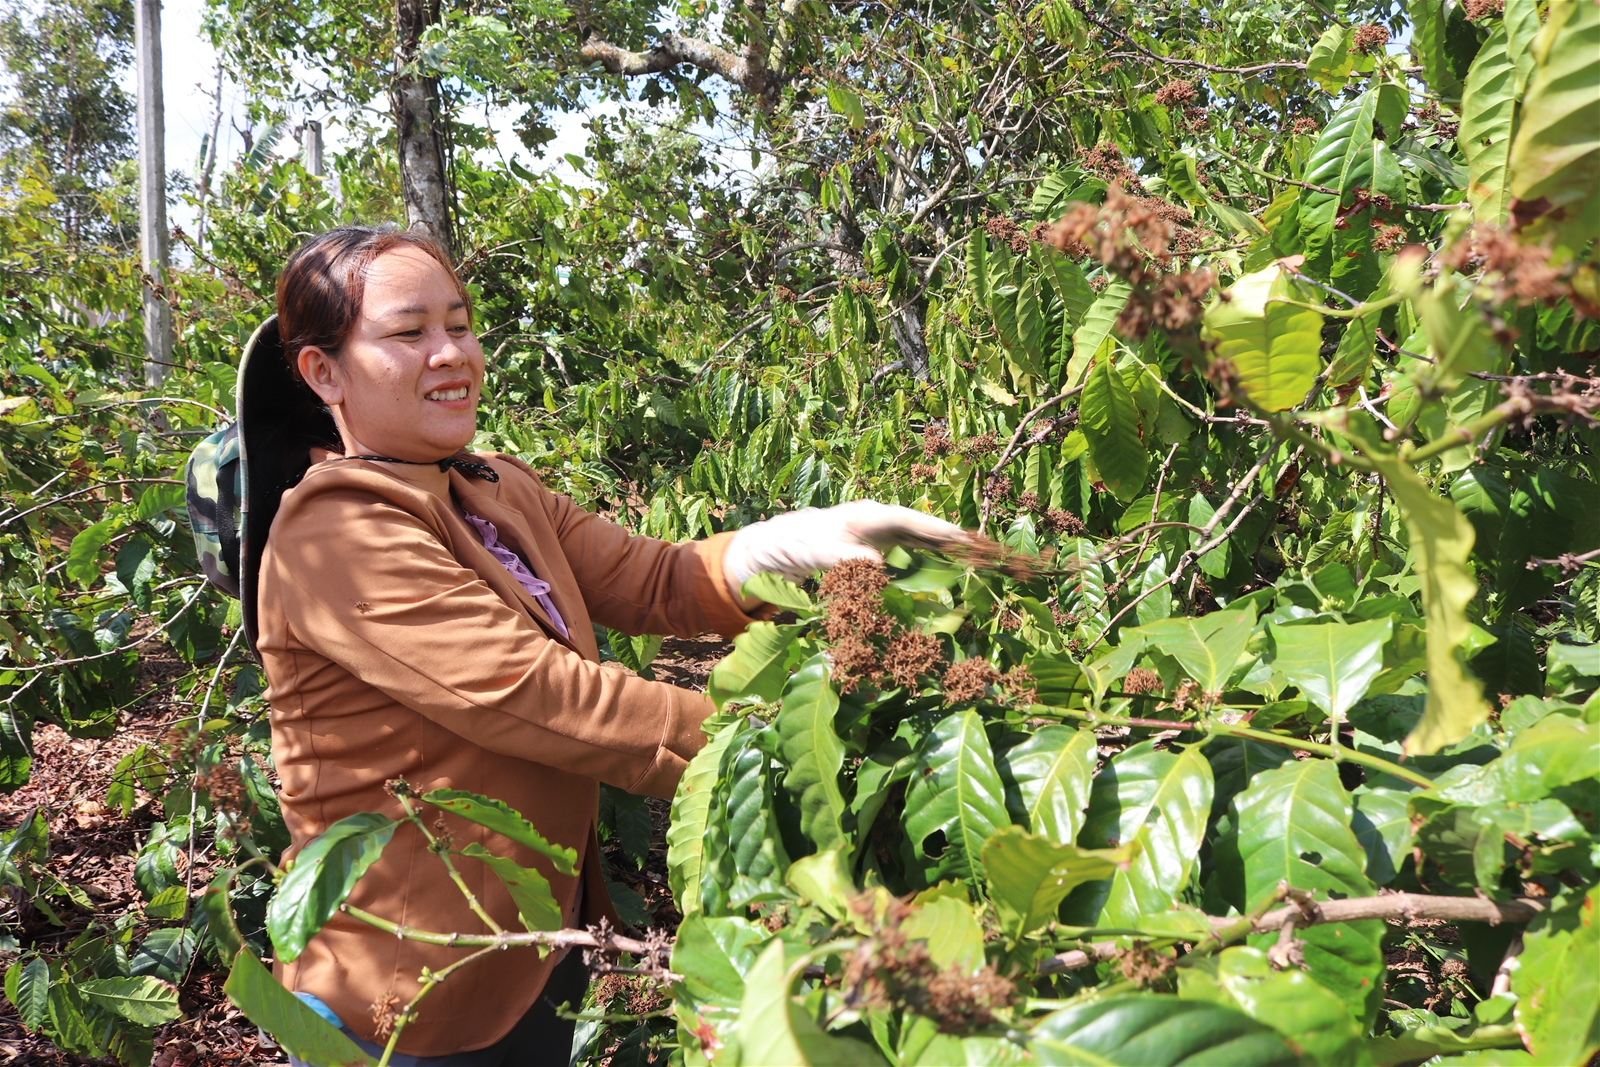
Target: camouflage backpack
(237, 476)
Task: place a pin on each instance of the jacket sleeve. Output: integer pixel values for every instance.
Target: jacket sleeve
(641, 585)
(372, 586)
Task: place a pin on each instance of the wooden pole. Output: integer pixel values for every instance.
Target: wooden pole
(153, 237)
(311, 141)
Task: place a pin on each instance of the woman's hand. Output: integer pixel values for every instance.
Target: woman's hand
(800, 543)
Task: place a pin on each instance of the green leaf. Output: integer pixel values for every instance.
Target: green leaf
(813, 752)
(1047, 779)
(955, 790)
(773, 1029)
(978, 266)
(1556, 751)
(1310, 1017)
(220, 923)
(755, 667)
(778, 591)
(1109, 420)
(847, 103)
(950, 931)
(1155, 1031)
(1488, 112)
(750, 865)
(1459, 341)
(1441, 541)
(1158, 801)
(145, 1001)
(1273, 347)
(1342, 160)
(1029, 876)
(497, 816)
(1089, 338)
(691, 810)
(1071, 286)
(84, 555)
(1332, 663)
(166, 953)
(324, 873)
(1208, 648)
(1556, 982)
(303, 1033)
(1555, 159)
(1382, 824)
(714, 955)
(1293, 824)
(530, 890)
(28, 989)
(1331, 62)
(1428, 45)
(170, 903)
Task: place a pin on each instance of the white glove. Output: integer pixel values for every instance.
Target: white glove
(799, 543)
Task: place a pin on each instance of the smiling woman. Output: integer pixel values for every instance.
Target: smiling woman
(424, 613)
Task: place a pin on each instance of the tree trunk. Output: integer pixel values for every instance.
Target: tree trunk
(414, 100)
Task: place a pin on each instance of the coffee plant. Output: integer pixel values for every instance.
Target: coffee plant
(1256, 723)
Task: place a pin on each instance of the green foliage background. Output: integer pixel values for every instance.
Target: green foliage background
(1298, 399)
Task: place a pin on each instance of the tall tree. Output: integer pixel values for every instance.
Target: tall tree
(419, 125)
(67, 115)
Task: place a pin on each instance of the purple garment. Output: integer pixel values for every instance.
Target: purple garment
(536, 587)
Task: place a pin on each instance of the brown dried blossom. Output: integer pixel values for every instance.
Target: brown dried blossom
(1142, 680)
(1482, 9)
(910, 655)
(890, 969)
(384, 1015)
(967, 680)
(853, 592)
(985, 554)
(997, 487)
(1510, 269)
(1145, 966)
(983, 444)
(936, 442)
(1105, 160)
(1369, 38)
(1176, 93)
(1387, 238)
(1059, 521)
(1006, 230)
(1028, 501)
(1303, 126)
(1019, 686)
(924, 472)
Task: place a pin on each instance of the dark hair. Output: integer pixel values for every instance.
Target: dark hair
(322, 285)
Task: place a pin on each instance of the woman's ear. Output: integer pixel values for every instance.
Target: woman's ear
(320, 371)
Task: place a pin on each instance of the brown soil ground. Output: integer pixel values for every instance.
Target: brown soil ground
(93, 846)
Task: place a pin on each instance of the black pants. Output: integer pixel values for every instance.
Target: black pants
(540, 1039)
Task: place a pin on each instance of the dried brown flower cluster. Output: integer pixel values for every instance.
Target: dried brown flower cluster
(971, 679)
(1302, 126)
(1176, 93)
(1137, 238)
(1146, 966)
(1482, 9)
(924, 472)
(1174, 303)
(997, 487)
(1512, 270)
(1059, 521)
(1142, 680)
(1029, 501)
(936, 442)
(984, 554)
(785, 294)
(1105, 160)
(890, 968)
(867, 644)
(1006, 230)
(1369, 38)
(979, 445)
(1387, 238)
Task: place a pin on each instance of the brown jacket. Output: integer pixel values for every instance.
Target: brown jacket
(396, 646)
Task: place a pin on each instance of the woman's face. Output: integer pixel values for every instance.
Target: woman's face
(406, 383)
